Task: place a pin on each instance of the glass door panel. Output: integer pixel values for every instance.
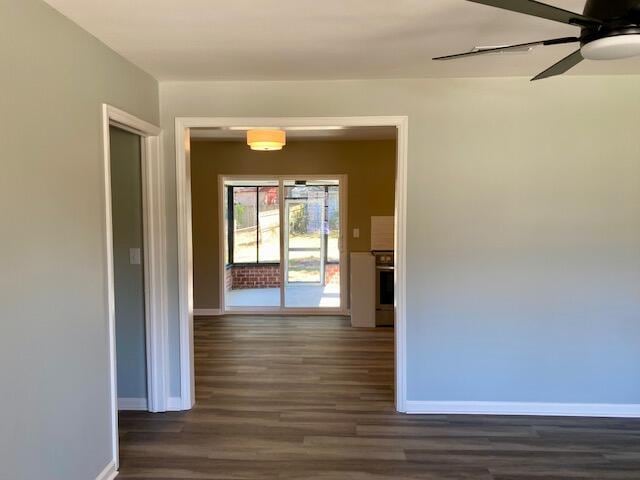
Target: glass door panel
(304, 242)
(310, 242)
(269, 222)
(333, 258)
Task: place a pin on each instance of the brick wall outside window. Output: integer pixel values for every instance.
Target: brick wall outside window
(331, 273)
(254, 276)
(238, 277)
(228, 278)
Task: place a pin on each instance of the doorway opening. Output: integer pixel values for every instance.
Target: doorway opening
(185, 129)
(128, 269)
(135, 258)
(283, 244)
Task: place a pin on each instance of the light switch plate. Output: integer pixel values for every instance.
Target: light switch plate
(134, 256)
(356, 233)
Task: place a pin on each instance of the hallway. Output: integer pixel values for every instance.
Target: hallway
(312, 398)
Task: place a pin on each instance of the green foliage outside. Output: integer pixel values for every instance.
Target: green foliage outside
(299, 219)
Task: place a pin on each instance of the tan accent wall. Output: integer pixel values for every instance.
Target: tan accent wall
(369, 165)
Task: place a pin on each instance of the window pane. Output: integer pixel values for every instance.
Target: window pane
(333, 224)
(245, 240)
(305, 208)
(269, 212)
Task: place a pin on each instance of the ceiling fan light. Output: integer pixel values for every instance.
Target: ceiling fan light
(612, 48)
(266, 140)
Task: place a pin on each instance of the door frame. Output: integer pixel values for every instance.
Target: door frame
(183, 125)
(155, 272)
(344, 247)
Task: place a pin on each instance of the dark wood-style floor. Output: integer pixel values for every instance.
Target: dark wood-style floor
(311, 398)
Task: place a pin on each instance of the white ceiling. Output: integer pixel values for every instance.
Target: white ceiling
(297, 134)
(322, 39)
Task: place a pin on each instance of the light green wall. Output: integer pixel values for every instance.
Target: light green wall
(523, 228)
(55, 413)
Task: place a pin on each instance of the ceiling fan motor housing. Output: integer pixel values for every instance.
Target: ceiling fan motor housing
(612, 9)
(619, 34)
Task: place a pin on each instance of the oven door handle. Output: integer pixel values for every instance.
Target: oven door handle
(384, 268)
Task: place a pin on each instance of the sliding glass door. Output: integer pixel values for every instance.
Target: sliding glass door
(304, 245)
(282, 244)
(311, 275)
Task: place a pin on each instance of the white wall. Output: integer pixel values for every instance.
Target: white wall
(55, 403)
(523, 226)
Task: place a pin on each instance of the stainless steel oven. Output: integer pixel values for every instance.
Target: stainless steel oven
(385, 280)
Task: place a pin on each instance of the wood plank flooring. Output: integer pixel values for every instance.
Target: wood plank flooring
(310, 398)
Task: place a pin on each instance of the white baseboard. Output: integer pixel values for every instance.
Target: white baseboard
(109, 472)
(524, 408)
(132, 404)
(174, 404)
(207, 312)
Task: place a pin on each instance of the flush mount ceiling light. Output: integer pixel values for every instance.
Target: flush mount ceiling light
(266, 140)
(612, 48)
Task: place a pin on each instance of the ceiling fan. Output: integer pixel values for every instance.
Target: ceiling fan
(610, 30)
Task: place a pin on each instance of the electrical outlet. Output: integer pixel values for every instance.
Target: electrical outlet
(356, 233)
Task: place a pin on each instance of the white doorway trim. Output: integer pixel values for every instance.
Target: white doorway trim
(185, 252)
(155, 275)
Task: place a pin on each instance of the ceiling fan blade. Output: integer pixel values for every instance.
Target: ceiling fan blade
(562, 66)
(506, 48)
(541, 10)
